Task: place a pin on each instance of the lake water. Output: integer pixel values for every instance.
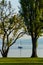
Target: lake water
(26, 49)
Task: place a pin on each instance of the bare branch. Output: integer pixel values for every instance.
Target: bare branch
(17, 38)
(10, 32)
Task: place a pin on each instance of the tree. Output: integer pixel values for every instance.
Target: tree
(10, 25)
(31, 10)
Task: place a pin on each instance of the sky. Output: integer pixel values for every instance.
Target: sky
(15, 5)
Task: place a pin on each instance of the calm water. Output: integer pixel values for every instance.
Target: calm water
(26, 49)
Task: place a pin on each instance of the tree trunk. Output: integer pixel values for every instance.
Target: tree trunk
(5, 53)
(34, 47)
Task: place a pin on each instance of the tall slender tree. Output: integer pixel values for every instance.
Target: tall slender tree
(10, 25)
(31, 10)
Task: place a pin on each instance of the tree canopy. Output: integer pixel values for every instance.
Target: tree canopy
(11, 26)
(32, 11)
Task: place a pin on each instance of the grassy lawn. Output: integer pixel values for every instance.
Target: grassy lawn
(20, 61)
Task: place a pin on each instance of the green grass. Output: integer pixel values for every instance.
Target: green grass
(20, 61)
